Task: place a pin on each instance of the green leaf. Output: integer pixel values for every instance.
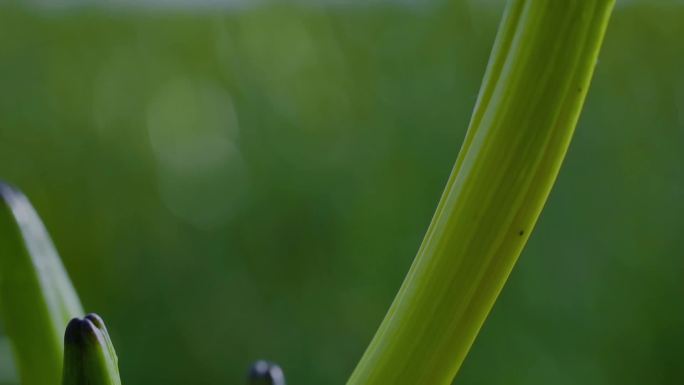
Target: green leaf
(533, 90)
(36, 296)
(89, 356)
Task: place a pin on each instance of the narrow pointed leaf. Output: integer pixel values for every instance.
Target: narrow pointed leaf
(37, 298)
(89, 356)
(529, 103)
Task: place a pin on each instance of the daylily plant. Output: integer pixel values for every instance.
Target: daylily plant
(529, 103)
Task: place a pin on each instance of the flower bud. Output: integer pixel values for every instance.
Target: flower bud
(89, 356)
(265, 373)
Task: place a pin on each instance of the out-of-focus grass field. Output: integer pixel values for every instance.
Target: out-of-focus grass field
(241, 183)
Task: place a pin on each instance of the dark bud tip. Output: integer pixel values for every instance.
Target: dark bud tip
(80, 333)
(96, 320)
(266, 373)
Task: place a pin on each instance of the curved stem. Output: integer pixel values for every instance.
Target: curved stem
(533, 90)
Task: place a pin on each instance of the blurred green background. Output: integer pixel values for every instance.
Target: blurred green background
(252, 180)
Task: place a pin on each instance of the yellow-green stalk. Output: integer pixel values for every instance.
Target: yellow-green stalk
(533, 90)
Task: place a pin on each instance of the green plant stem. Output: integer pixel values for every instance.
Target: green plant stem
(533, 90)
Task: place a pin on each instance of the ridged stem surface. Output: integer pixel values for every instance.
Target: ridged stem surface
(533, 90)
